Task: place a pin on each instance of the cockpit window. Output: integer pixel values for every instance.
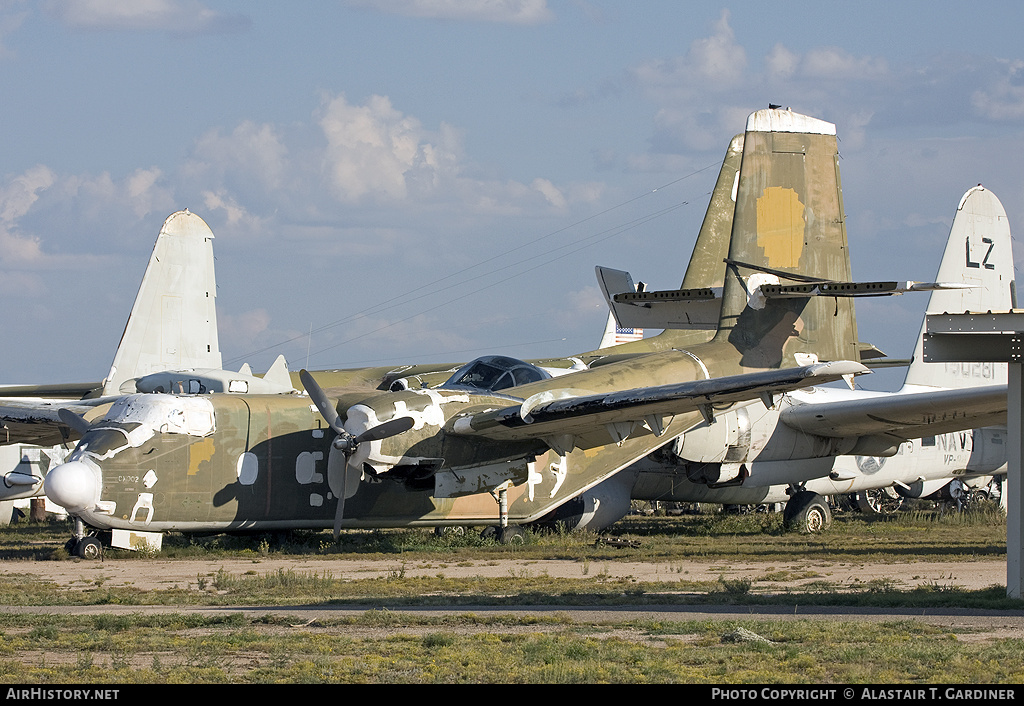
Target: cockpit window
(495, 372)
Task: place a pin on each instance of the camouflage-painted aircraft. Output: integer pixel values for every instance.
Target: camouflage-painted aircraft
(499, 428)
(157, 462)
(912, 441)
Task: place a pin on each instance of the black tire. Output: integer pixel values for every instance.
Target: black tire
(807, 512)
(879, 501)
(513, 534)
(450, 531)
(89, 548)
(489, 532)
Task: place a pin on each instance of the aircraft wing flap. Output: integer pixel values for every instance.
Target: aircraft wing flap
(597, 419)
(908, 416)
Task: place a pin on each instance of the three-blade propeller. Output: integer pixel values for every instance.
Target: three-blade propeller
(346, 442)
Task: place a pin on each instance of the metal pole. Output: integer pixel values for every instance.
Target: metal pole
(1014, 486)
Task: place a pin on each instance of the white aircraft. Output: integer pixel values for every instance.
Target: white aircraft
(170, 340)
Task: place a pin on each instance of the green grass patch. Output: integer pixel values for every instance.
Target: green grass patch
(404, 648)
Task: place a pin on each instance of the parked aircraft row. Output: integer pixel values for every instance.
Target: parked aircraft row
(767, 302)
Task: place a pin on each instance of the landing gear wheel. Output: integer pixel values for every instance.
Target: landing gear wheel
(450, 531)
(513, 534)
(807, 512)
(89, 548)
(879, 501)
(489, 532)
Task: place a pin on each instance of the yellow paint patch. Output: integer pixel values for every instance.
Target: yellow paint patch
(780, 226)
(199, 452)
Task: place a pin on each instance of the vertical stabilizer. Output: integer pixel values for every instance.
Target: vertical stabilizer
(693, 322)
(788, 228)
(979, 253)
(173, 323)
(707, 262)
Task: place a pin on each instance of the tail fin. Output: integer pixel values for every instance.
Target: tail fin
(173, 323)
(978, 252)
(788, 228)
(615, 335)
(707, 262)
(687, 320)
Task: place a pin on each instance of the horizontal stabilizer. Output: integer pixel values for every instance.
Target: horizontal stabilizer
(695, 309)
(853, 289)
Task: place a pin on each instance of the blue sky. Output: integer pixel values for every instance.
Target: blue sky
(432, 180)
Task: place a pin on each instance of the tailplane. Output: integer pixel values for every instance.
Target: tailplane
(978, 253)
(173, 323)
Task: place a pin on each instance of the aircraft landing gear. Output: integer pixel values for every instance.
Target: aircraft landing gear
(807, 512)
(878, 501)
(509, 534)
(82, 545)
(504, 533)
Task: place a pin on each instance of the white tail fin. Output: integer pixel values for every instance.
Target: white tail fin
(278, 374)
(173, 324)
(978, 253)
(615, 334)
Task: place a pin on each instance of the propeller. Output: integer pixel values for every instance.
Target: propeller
(76, 422)
(346, 442)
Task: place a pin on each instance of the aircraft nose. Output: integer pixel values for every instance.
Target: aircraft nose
(71, 485)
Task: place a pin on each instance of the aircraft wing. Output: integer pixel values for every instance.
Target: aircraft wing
(599, 419)
(905, 415)
(37, 421)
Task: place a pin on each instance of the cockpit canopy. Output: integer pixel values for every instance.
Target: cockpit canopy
(491, 373)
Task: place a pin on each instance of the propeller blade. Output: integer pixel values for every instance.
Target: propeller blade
(392, 427)
(323, 403)
(79, 424)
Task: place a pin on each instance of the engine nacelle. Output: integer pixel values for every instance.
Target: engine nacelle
(755, 433)
(596, 508)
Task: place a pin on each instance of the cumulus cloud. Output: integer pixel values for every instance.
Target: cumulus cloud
(522, 12)
(689, 89)
(376, 152)
(175, 16)
(712, 63)
(250, 153)
(18, 195)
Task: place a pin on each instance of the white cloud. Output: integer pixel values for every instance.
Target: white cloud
(781, 63)
(176, 16)
(244, 326)
(1004, 98)
(713, 63)
(376, 152)
(837, 64)
(523, 12)
(17, 197)
(251, 153)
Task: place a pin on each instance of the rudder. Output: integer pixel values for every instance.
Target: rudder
(788, 228)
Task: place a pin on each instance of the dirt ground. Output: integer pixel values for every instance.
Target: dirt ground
(159, 574)
(973, 624)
